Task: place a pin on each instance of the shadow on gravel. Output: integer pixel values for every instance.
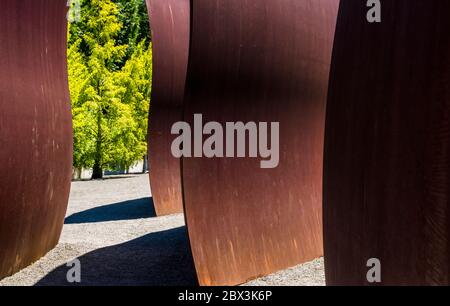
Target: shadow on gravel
(128, 210)
(161, 258)
(106, 178)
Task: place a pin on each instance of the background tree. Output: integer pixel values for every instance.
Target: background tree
(133, 14)
(110, 84)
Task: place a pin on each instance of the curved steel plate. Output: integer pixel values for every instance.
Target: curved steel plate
(35, 130)
(261, 61)
(170, 24)
(387, 159)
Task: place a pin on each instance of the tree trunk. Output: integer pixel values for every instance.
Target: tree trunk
(144, 167)
(97, 172)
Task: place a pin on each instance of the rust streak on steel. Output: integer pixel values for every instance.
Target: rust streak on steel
(170, 24)
(35, 130)
(387, 158)
(261, 61)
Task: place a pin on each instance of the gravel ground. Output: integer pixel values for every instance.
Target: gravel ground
(112, 229)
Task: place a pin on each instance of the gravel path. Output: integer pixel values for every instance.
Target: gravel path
(112, 229)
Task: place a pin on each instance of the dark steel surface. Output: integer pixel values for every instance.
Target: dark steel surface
(262, 61)
(35, 130)
(387, 159)
(170, 24)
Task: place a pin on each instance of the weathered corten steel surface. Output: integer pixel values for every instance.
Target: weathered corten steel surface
(35, 130)
(261, 61)
(170, 24)
(387, 158)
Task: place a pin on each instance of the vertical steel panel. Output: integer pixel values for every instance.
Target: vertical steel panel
(261, 61)
(387, 160)
(35, 130)
(170, 24)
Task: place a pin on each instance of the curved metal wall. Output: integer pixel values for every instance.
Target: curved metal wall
(35, 130)
(261, 61)
(387, 160)
(170, 24)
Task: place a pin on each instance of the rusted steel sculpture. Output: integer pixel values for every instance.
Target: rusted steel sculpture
(260, 61)
(170, 24)
(387, 158)
(35, 130)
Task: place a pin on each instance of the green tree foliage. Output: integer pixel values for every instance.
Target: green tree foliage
(110, 85)
(133, 13)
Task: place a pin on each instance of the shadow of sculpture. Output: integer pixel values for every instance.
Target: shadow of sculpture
(128, 210)
(156, 259)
